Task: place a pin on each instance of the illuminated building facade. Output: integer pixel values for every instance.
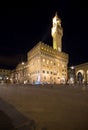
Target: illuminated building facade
(45, 64)
(48, 64)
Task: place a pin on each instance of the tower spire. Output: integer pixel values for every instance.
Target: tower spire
(56, 14)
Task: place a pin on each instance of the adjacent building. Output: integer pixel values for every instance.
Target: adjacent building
(78, 73)
(81, 72)
(5, 75)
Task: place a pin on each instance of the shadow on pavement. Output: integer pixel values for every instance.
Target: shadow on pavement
(5, 122)
(12, 119)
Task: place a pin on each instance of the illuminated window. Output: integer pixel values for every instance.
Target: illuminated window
(51, 62)
(43, 60)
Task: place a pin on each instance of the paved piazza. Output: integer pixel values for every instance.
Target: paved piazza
(43, 107)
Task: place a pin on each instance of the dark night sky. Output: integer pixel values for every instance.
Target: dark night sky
(22, 28)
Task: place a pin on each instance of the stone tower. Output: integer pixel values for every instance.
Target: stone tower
(57, 33)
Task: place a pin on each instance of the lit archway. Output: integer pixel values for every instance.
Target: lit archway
(80, 76)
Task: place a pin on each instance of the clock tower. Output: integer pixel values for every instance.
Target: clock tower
(57, 33)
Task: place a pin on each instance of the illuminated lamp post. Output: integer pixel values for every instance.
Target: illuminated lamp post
(72, 75)
(23, 72)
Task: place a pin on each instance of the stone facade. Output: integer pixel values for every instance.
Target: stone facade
(47, 65)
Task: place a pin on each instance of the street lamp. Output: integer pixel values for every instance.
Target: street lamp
(72, 67)
(72, 74)
(22, 63)
(23, 71)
